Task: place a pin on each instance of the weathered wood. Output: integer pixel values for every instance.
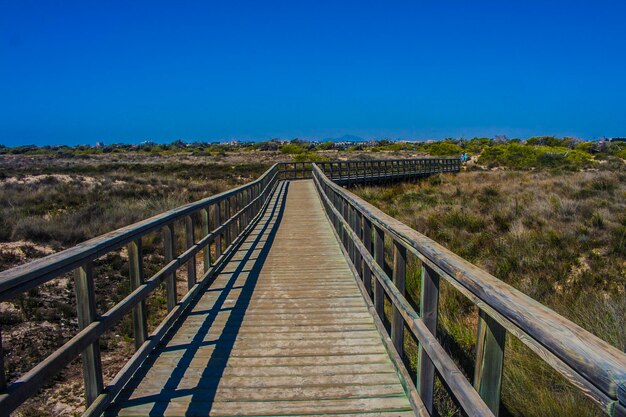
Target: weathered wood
(86, 313)
(269, 344)
(586, 361)
(464, 393)
(379, 256)
(206, 252)
(28, 384)
(190, 240)
(399, 279)
(429, 300)
(367, 242)
(218, 222)
(226, 217)
(129, 369)
(169, 241)
(140, 320)
(358, 224)
(489, 361)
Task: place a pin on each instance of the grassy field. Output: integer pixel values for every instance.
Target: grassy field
(558, 237)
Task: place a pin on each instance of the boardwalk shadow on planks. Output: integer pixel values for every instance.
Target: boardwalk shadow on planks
(202, 399)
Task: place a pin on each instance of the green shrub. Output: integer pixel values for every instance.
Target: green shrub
(444, 149)
(517, 156)
(309, 157)
(292, 149)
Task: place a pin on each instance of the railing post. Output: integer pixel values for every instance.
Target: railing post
(227, 230)
(190, 239)
(429, 300)
(206, 252)
(169, 241)
(346, 237)
(399, 278)
(218, 223)
(86, 312)
(358, 221)
(140, 321)
(489, 361)
(379, 256)
(351, 245)
(238, 206)
(367, 242)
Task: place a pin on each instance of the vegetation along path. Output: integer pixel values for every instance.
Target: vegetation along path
(273, 334)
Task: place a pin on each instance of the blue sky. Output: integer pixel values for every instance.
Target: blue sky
(80, 71)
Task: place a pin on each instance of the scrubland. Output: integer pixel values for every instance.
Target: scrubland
(559, 237)
(546, 220)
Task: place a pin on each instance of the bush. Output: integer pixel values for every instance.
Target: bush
(292, 149)
(445, 149)
(519, 156)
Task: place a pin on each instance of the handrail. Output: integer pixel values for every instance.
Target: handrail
(353, 172)
(231, 214)
(595, 367)
(24, 277)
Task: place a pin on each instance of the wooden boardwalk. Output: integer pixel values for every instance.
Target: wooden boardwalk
(283, 330)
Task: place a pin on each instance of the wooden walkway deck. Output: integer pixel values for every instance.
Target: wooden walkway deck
(283, 330)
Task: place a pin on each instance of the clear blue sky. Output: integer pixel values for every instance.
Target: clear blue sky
(81, 71)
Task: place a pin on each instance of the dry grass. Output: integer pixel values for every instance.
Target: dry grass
(560, 238)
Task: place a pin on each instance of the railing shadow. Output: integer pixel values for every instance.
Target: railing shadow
(203, 395)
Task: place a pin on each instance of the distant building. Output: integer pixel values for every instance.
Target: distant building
(99, 144)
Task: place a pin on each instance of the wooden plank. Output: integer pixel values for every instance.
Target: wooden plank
(185, 406)
(489, 361)
(86, 313)
(285, 393)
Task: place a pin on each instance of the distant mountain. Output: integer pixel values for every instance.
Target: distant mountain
(345, 138)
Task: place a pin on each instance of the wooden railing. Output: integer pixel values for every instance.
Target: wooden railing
(360, 172)
(225, 219)
(595, 367)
